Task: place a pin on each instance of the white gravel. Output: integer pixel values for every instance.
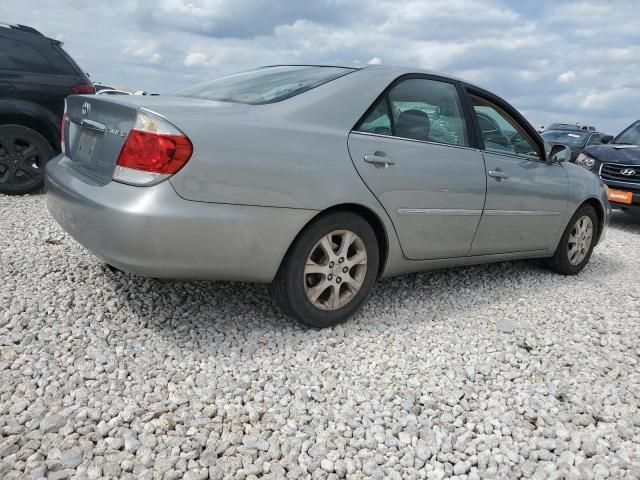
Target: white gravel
(499, 371)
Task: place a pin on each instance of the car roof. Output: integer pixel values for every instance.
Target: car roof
(570, 130)
(398, 69)
(24, 32)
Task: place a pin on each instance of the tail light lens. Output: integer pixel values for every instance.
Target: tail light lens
(83, 89)
(153, 151)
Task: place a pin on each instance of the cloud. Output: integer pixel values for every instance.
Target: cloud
(196, 59)
(567, 77)
(147, 52)
(556, 61)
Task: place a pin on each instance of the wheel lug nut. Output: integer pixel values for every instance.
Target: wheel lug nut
(338, 279)
(329, 277)
(345, 269)
(341, 259)
(331, 264)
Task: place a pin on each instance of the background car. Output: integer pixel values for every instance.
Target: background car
(618, 165)
(36, 75)
(318, 180)
(112, 91)
(570, 126)
(107, 90)
(574, 137)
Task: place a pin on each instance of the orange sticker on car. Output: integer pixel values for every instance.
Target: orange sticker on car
(620, 196)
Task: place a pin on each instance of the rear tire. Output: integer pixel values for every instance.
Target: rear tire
(23, 156)
(322, 288)
(577, 242)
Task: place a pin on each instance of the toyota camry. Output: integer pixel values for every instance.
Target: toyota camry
(318, 180)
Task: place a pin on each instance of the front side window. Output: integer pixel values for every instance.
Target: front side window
(264, 85)
(421, 109)
(501, 133)
(595, 139)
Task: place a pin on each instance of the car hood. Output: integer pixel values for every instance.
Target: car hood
(627, 154)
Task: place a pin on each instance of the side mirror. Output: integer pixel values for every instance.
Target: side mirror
(606, 138)
(559, 153)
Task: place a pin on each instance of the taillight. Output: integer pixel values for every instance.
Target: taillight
(153, 151)
(62, 127)
(83, 89)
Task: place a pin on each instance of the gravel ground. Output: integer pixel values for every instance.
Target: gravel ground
(499, 371)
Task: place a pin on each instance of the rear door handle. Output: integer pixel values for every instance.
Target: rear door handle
(379, 159)
(499, 174)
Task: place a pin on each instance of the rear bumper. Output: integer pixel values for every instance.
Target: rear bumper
(153, 232)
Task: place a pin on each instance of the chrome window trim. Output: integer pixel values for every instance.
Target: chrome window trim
(413, 140)
(518, 157)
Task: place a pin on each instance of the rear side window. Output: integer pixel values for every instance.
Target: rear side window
(19, 56)
(264, 85)
(421, 109)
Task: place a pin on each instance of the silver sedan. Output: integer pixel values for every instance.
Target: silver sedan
(318, 180)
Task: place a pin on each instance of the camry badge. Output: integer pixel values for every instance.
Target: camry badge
(628, 172)
(86, 108)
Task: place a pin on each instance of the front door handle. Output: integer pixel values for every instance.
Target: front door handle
(379, 159)
(499, 174)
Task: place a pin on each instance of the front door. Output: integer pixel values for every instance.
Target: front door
(526, 196)
(413, 151)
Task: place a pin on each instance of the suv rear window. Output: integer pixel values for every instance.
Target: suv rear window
(264, 85)
(22, 57)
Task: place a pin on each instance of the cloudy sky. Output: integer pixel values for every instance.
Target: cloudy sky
(555, 60)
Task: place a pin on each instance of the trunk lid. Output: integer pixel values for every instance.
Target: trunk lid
(94, 134)
(98, 126)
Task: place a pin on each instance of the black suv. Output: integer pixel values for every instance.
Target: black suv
(36, 75)
(618, 165)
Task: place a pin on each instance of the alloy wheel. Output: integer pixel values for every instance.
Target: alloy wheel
(20, 162)
(335, 270)
(580, 240)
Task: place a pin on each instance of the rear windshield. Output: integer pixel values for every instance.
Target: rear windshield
(43, 56)
(630, 136)
(264, 85)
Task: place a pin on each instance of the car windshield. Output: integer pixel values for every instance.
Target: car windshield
(571, 139)
(630, 136)
(264, 85)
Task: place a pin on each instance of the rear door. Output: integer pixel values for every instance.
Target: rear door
(413, 150)
(526, 196)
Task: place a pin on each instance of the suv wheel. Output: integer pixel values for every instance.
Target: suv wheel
(23, 155)
(329, 271)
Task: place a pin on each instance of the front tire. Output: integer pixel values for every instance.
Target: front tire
(23, 155)
(577, 242)
(329, 270)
